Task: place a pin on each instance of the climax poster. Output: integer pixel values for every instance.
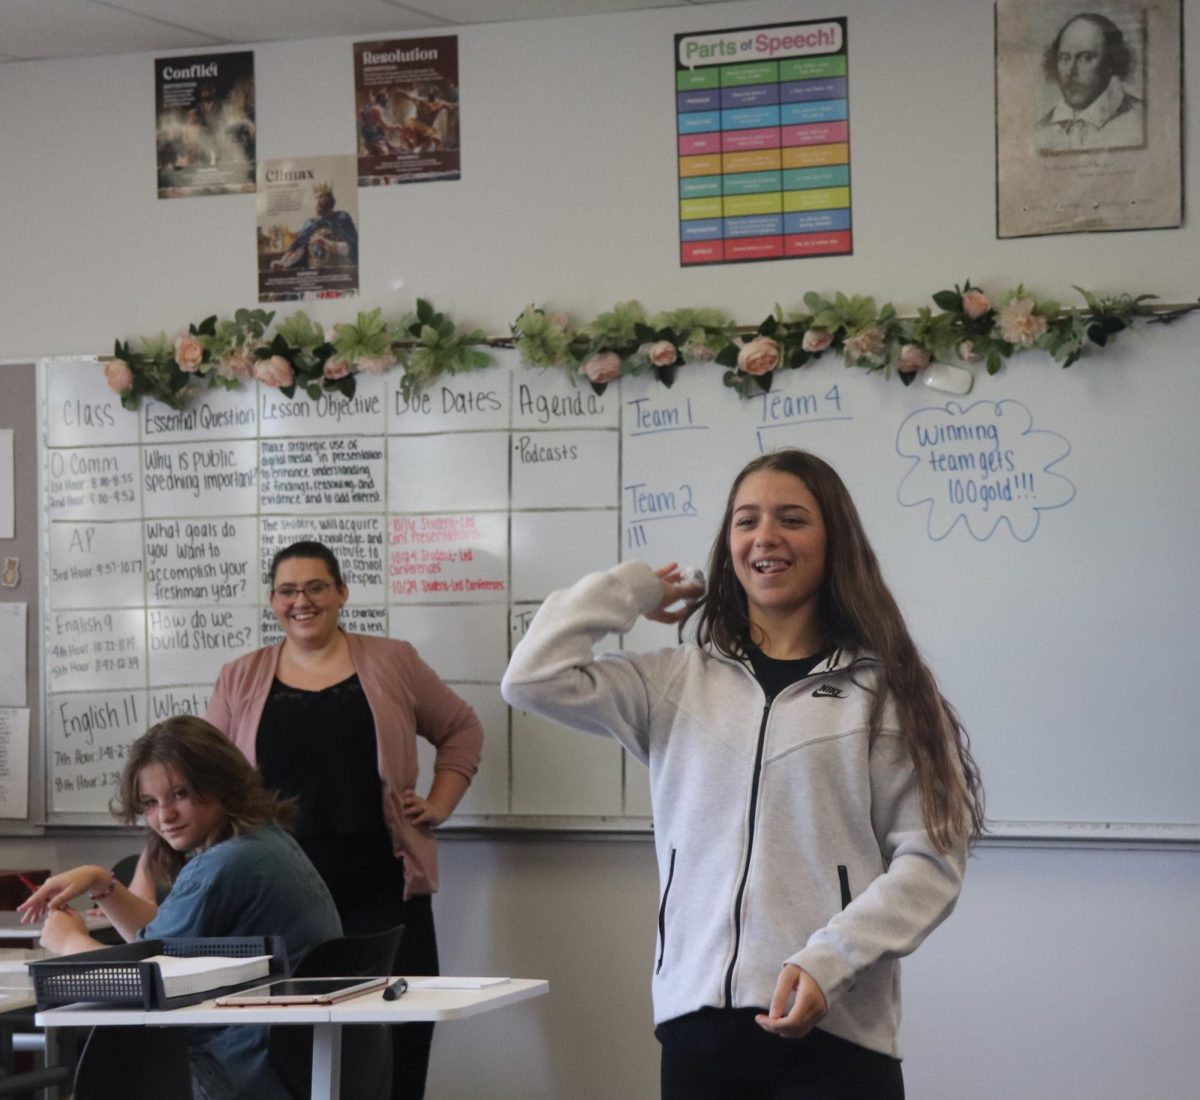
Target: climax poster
(205, 131)
(307, 229)
(406, 95)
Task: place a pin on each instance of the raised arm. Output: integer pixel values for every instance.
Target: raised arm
(554, 670)
(65, 932)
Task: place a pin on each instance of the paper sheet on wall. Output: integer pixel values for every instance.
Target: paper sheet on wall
(14, 762)
(13, 617)
(7, 488)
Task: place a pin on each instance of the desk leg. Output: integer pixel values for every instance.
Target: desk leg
(327, 1062)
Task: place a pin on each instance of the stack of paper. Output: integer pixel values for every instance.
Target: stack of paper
(201, 973)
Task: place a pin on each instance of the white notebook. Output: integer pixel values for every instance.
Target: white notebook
(453, 983)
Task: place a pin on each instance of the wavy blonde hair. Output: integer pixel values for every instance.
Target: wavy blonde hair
(214, 768)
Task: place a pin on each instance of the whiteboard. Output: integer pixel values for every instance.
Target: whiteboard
(1039, 534)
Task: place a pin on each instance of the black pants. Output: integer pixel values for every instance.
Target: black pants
(719, 1054)
(417, 955)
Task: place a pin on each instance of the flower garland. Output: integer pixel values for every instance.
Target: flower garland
(968, 327)
(299, 355)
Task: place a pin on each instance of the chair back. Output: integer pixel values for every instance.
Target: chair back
(125, 868)
(366, 1048)
(352, 956)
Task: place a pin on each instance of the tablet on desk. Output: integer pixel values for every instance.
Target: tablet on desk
(303, 991)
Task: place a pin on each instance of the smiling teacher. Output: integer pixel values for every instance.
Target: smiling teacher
(331, 718)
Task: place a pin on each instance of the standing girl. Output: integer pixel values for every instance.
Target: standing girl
(813, 793)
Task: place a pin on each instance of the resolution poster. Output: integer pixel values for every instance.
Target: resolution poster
(763, 143)
(205, 130)
(406, 95)
(307, 229)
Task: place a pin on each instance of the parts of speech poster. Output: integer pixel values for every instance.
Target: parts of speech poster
(763, 135)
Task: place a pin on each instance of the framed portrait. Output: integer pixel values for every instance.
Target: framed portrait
(1088, 116)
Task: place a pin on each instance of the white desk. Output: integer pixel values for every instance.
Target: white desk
(11, 927)
(15, 997)
(327, 1021)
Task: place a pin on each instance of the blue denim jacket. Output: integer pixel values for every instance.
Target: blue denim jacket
(257, 884)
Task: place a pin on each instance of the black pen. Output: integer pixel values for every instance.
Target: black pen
(396, 989)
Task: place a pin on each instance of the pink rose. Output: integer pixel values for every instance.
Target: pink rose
(975, 304)
(913, 358)
(967, 353)
(816, 340)
(560, 320)
(189, 353)
(866, 344)
(376, 364)
(120, 377)
(276, 371)
(760, 356)
(335, 369)
(663, 354)
(238, 362)
(1019, 324)
(604, 366)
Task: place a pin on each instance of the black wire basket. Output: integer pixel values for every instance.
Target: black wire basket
(121, 975)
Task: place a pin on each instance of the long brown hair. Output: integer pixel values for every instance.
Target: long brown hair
(858, 612)
(214, 768)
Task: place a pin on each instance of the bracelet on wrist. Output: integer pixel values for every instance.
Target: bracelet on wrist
(102, 894)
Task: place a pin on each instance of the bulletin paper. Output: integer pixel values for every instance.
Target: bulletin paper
(7, 487)
(14, 762)
(13, 617)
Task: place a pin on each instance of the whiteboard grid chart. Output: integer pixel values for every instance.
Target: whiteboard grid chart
(1043, 568)
(160, 524)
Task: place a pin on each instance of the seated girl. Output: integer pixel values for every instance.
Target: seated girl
(214, 837)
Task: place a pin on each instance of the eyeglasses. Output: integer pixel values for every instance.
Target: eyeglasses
(314, 590)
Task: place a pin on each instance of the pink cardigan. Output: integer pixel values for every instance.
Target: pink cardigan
(406, 698)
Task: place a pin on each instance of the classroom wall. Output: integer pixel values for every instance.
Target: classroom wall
(1065, 971)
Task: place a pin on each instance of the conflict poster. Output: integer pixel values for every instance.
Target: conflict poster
(307, 229)
(205, 124)
(406, 98)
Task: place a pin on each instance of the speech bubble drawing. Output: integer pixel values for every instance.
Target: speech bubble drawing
(983, 465)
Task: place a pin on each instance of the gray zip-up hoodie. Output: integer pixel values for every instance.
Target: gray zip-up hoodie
(783, 833)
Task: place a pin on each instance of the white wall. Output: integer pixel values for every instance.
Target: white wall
(1065, 972)
(568, 193)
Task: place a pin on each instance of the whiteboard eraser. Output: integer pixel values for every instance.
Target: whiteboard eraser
(948, 378)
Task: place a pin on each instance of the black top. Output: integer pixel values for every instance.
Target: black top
(775, 674)
(320, 747)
